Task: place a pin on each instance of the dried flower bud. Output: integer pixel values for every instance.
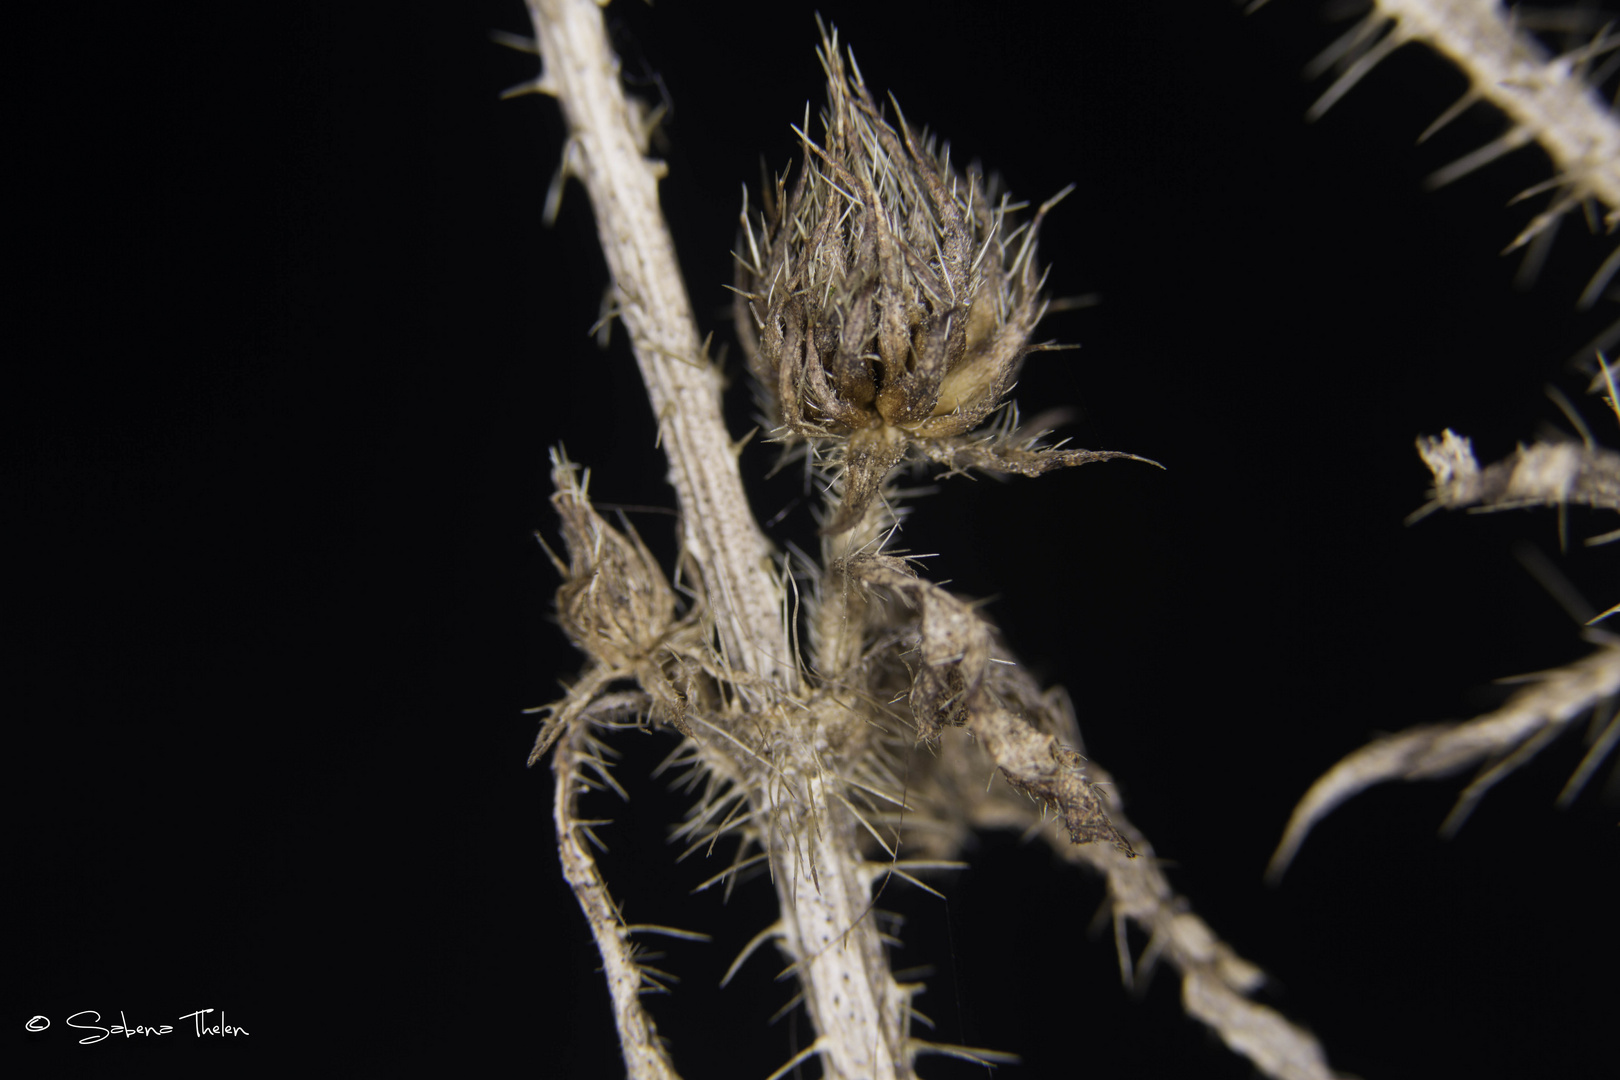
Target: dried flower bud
(887, 304)
(614, 602)
(616, 606)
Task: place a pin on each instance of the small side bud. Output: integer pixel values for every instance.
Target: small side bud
(617, 607)
(614, 602)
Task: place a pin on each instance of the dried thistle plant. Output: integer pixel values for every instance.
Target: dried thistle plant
(886, 301)
(893, 303)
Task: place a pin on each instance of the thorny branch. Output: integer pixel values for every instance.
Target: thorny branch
(1546, 99)
(606, 151)
(644, 1053)
(1215, 981)
(1504, 740)
(856, 1006)
(1546, 474)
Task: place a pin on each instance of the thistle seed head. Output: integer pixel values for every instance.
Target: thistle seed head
(885, 302)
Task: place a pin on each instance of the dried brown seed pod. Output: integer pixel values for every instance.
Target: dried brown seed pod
(886, 302)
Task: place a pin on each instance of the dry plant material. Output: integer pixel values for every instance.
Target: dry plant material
(1554, 101)
(644, 1054)
(1547, 100)
(1504, 740)
(886, 301)
(893, 304)
(1543, 475)
(1546, 474)
(616, 607)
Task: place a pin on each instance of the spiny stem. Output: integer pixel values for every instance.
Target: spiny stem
(644, 1055)
(606, 154)
(859, 1011)
(1544, 97)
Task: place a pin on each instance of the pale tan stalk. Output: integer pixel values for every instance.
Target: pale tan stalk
(826, 923)
(1546, 98)
(606, 153)
(1502, 740)
(644, 1056)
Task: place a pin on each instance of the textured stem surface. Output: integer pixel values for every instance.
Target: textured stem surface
(1216, 983)
(605, 152)
(1545, 98)
(644, 1056)
(859, 1012)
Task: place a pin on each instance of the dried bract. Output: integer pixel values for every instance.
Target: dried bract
(887, 301)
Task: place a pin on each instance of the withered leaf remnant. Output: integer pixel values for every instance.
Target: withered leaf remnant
(952, 684)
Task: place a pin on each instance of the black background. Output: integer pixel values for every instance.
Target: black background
(293, 344)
